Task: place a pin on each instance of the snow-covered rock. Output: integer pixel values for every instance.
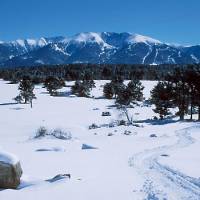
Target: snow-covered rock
(86, 146)
(10, 170)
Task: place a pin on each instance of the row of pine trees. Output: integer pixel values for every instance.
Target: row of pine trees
(181, 90)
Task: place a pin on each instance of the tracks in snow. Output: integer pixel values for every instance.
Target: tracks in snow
(162, 182)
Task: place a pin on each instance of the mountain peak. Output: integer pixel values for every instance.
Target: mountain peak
(88, 37)
(96, 47)
(136, 38)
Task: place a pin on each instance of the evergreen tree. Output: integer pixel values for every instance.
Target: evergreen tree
(117, 84)
(108, 91)
(26, 88)
(53, 84)
(161, 96)
(180, 93)
(124, 97)
(136, 89)
(191, 77)
(106, 73)
(129, 94)
(196, 95)
(81, 89)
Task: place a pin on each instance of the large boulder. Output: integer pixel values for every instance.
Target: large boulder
(10, 171)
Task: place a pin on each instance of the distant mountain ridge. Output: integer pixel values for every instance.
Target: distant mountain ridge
(98, 48)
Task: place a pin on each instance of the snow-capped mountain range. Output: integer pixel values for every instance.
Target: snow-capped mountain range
(91, 47)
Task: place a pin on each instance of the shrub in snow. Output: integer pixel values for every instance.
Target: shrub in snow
(61, 134)
(93, 126)
(122, 123)
(127, 132)
(41, 132)
(57, 133)
(105, 114)
(95, 109)
(153, 135)
(112, 124)
(10, 171)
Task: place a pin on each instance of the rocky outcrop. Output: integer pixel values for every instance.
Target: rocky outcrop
(10, 171)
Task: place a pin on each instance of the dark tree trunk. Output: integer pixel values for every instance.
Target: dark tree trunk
(181, 116)
(191, 109)
(181, 113)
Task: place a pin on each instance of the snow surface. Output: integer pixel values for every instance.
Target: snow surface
(122, 167)
(8, 158)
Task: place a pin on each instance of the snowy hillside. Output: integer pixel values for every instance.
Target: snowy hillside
(153, 161)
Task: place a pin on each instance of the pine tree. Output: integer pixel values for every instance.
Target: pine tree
(26, 88)
(129, 94)
(161, 96)
(180, 93)
(108, 91)
(53, 84)
(117, 84)
(191, 77)
(81, 89)
(136, 89)
(196, 95)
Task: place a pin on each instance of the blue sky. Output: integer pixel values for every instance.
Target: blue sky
(174, 21)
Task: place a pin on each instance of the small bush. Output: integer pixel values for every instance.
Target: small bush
(127, 132)
(105, 114)
(57, 133)
(41, 132)
(122, 123)
(93, 126)
(60, 134)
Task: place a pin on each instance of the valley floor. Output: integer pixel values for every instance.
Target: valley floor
(133, 166)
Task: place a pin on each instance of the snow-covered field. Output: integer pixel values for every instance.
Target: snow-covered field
(121, 167)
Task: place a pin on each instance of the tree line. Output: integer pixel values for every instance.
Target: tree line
(181, 90)
(178, 89)
(38, 74)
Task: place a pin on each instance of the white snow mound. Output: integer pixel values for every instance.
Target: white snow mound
(8, 158)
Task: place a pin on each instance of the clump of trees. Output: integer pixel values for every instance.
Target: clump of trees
(26, 91)
(113, 88)
(128, 95)
(124, 95)
(53, 84)
(182, 90)
(83, 87)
